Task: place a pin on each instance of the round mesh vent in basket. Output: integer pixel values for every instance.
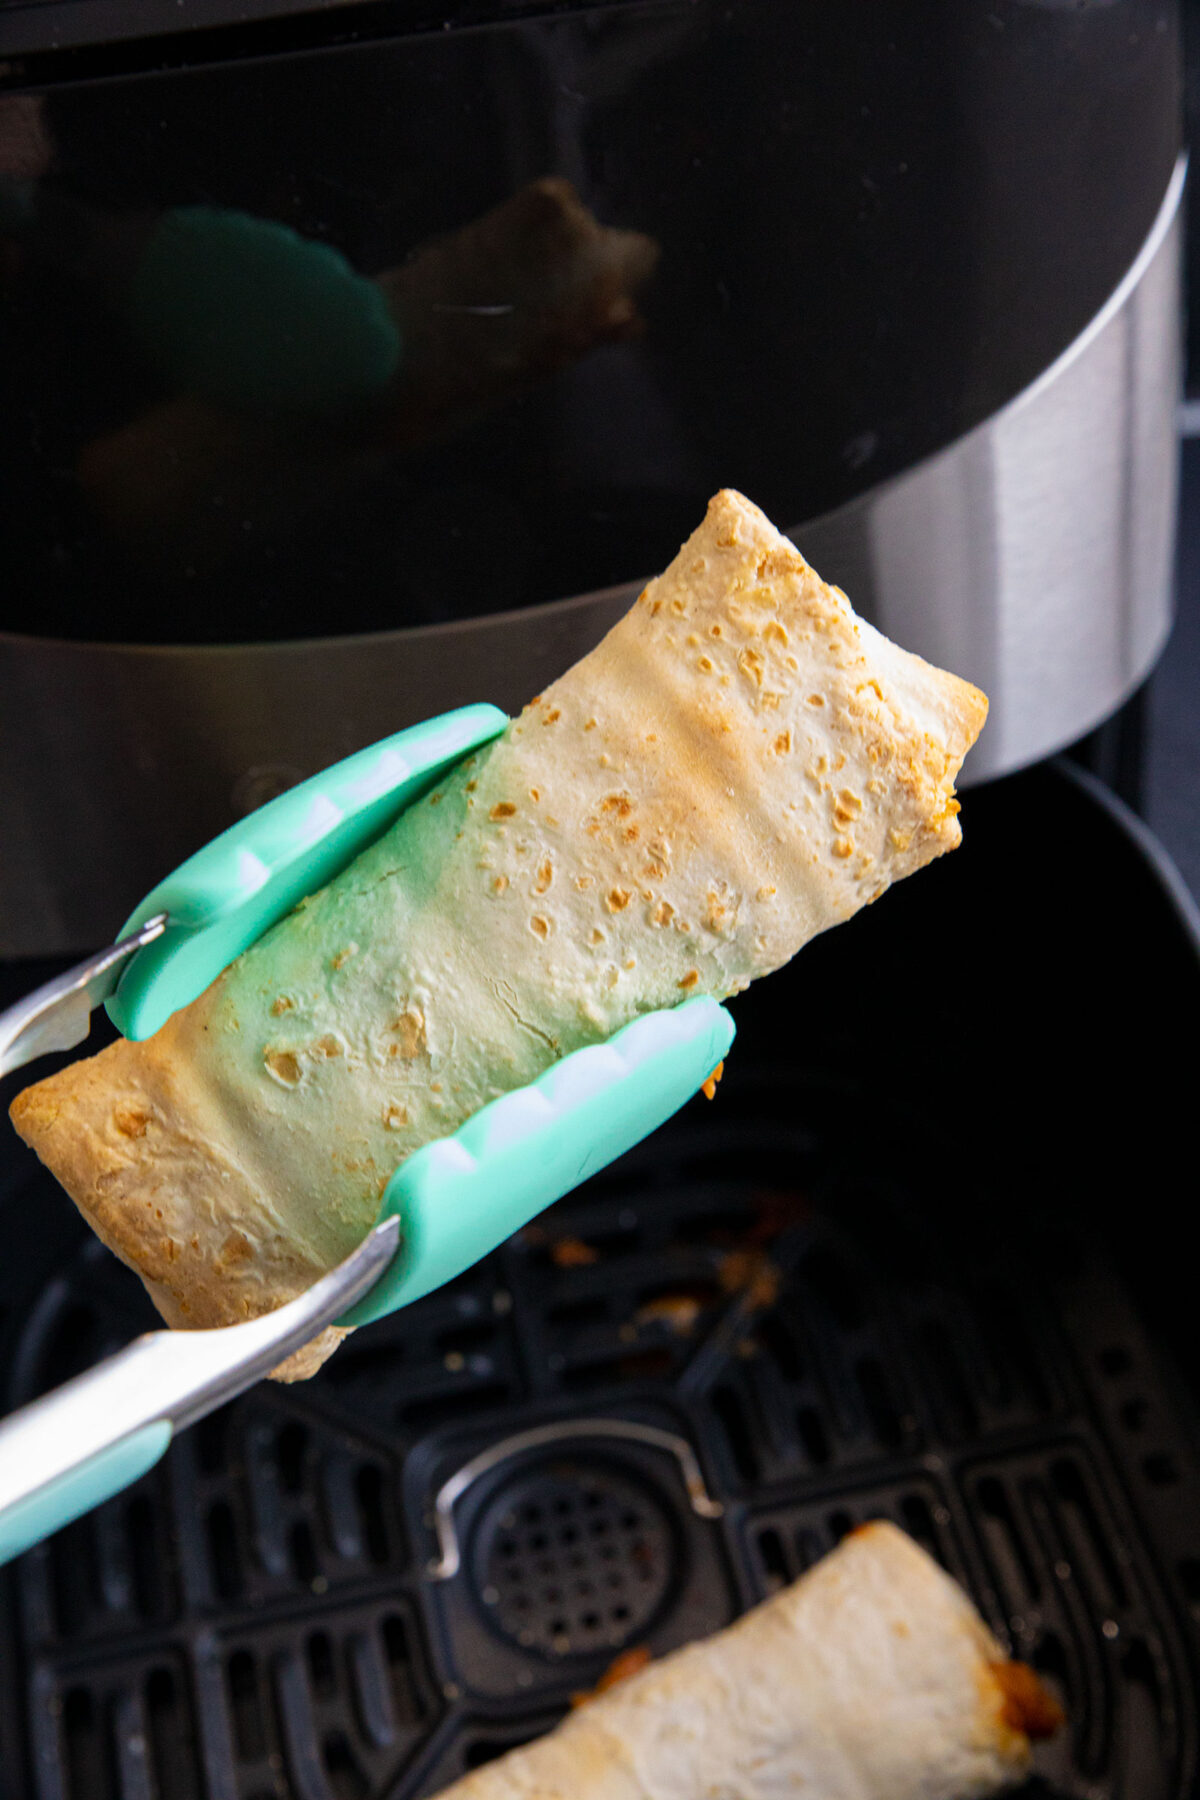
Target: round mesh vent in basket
(573, 1557)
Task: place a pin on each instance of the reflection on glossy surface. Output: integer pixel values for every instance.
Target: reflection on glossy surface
(859, 258)
(300, 382)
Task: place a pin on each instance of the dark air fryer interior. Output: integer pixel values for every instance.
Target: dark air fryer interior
(918, 1259)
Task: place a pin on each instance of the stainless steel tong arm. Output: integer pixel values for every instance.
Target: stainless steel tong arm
(57, 1016)
(91, 1437)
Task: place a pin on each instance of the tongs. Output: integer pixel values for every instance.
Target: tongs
(452, 1203)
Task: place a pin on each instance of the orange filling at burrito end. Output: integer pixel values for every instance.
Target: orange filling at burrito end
(1028, 1705)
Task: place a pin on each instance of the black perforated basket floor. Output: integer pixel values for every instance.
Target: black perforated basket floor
(915, 1261)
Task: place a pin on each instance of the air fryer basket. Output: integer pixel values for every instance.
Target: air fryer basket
(918, 1259)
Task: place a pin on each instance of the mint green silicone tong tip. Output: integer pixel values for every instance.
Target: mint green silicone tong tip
(452, 1203)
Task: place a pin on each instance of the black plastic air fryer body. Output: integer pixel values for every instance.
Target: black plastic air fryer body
(906, 274)
(875, 228)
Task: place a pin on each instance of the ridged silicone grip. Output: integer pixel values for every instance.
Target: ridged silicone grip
(225, 897)
(460, 1197)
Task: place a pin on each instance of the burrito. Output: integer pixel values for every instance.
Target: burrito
(740, 764)
(871, 1678)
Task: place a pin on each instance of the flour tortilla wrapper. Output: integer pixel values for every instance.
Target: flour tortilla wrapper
(871, 1678)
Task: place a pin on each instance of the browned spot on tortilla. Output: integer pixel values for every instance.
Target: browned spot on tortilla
(617, 899)
(284, 1065)
(410, 1033)
(716, 912)
(131, 1121)
(283, 1004)
(689, 980)
(236, 1249)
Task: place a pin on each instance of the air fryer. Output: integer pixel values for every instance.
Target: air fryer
(360, 362)
(908, 275)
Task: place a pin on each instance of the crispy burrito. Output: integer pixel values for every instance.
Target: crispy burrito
(740, 764)
(871, 1678)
